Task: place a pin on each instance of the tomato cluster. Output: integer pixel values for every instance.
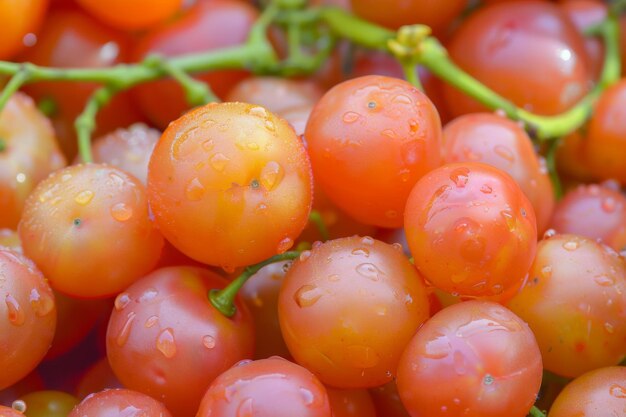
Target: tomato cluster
(340, 245)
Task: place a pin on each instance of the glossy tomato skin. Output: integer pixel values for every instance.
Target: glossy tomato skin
(502, 143)
(27, 316)
(598, 393)
(9, 412)
(81, 218)
(395, 13)
(48, 403)
(271, 387)
(131, 14)
(166, 339)
(117, 402)
(575, 303)
(351, 402)
(605, 144)
(370, 139)
(471, 230)
(207, 26)
(502, 45)
(348, 307)
(20, 21)
(230, 184)
(70, 38)
(475, 359)
(593, 211)
(127, 148)
(29, 153)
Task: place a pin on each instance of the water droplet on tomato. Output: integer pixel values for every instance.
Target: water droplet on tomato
(549, 233)
(570, 245)
(194, 190)
(351, 117)
(219, 161)
(15, 312)
(271, 175)
(361, 252)
(151, 321)
(246, 408)
(84, 197)
(121, 212)
(258, 111)
(617, 391)
(122, 336)
(208, 342)
(165, 343)
(284, 244)
(304, 255)
(148, 294)
(307, 295)
(604, 280)
(121, 301)
(460, 176)
(369, 271)
(42, 304)
(608, 204)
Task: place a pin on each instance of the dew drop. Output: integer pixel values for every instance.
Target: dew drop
(258, 111)
(42, 304)
(504, 152)
(604, 280)
(460, 176)
(546, 271)
(570, 245)
(617, 391)
(15, 312)
(402, 99)
(84, 197)
(610, 329)
(361, 252)
(307, 295)
(304, 255)
(284, 244)
(334, 278)
(165, 343)
(549, 233)
(151, 321)
(509, 219)
(269, 125)
(148, 295)
(246, 408)
(486, 189)
(608, 205)
(351, 117)
(253, 146)
(208, 145)
(307, 397)
(208, 342)
(369, 271)
(397, 246)
(488, 379)
(271, 175)
(121, 212)
(389, 133)
(219, 161)
(413, 126)
(122, 336)
(121, 301)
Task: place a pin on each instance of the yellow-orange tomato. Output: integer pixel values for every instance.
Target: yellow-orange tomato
(48, 403)
(87, 228)
(230, 184)
(502, 143)
(127, 148)
(599, 393)
(28, 153)
(27, 317)
(19, 20)
(471, 230)
(370, 139)
(348, 307)
(605, 144)
(131, 14)
(474, 359)
(575, 303)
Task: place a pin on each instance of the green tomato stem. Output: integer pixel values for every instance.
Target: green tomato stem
(535, 412)
(21, 77)
(315, 217)
(224, 299)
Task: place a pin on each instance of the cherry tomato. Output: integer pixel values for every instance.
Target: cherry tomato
(9, 412)
(271, 387)
(131, 14)
(48, 404)
(370, 139)
(261, 295)
(70, 38)
(166, 339)
(503, 46)
(20, 21)
(351, 403)
(81, 218)
(605, 144)
(27, 316)
(207, 26)
(230, 184)
(471, 230)
(593, 211)
(119, 402)
(395, 13)
(599, 393)
(348, 307)
(475, 359)
(575, 303)
(502, 143)
(97, 378)
(28, 153)
(127, 148)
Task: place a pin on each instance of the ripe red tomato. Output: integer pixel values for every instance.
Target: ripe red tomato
(474, 359)
(370, 139)
(119, 402)
(131, 14)
(230, 184)
(471, 230)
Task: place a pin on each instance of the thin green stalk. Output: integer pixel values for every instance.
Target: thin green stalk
(315, 217)
(535, 412)
(410, 73)
(20, 78)
(551, 164)
(224, 299)
(85, 123)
